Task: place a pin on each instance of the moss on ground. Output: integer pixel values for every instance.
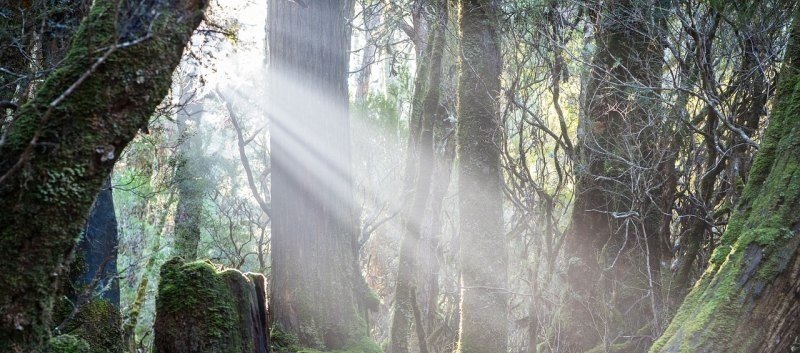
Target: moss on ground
(283, 342)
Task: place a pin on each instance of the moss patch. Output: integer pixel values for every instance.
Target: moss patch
(68, 344)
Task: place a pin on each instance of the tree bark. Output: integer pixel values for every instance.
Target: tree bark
(483, 253)
(317, 287)
(746, 301)
(64, 142)
(611, 242)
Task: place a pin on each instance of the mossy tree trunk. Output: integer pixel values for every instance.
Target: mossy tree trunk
(317, 287)
(612, 242)
(483, 253)
(746, 301)
(63, 144)
(415, 207)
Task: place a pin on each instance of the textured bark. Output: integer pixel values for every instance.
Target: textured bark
(414, 211)
(612, 242)
(746, 301)
(63, 145)
(200, 309)
(316, 287)
(483, 253)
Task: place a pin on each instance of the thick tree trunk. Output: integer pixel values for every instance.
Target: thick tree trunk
(316, 287)
(484, 258)
(64, 142)
(611, 243)
(746, 301)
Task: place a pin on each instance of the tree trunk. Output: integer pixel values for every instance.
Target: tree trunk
(746, 301)
(414, 211)
(64, 142)
(129, 328)
(484, 258)
(315, 283)
(611, 242)
(189, 179)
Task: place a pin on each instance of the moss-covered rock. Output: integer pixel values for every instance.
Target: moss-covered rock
(201, 309)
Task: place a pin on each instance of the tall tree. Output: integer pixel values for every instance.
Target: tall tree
(414, 209)
(189, 178)
(746, 301)
(63, 143)
(483, 253)
(317, 287)
(611, 240)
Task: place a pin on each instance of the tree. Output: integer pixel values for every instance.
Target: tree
(317, 288)
(746, 301)
(484, 282)
(611, 243)
(189, 178)
(63, 143)
(420, 184)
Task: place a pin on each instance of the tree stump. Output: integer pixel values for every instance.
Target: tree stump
(201, 309)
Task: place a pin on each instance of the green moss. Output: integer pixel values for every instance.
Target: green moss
(203, 309)
(184, 288)
(363, 345)
(283, 341)
(96, 322)
(68, 344)
(81, 117)
(100, 325)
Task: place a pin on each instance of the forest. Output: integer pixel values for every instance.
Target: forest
(399, 176)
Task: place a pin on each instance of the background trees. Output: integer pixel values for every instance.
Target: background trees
(612, 141)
